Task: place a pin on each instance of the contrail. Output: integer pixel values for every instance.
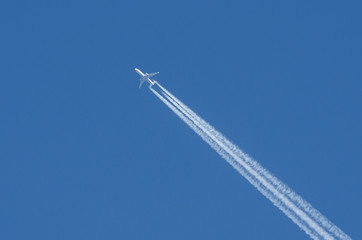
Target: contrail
(309, 220)
(240, 169)
(280, 186)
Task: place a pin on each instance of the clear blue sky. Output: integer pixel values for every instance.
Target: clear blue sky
(85, 154)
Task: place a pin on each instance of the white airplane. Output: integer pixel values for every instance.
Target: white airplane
(145, 77)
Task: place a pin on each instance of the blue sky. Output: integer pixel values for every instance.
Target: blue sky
(85, 154)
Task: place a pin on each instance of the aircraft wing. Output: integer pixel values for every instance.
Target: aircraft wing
(141, 82)
(153, 74)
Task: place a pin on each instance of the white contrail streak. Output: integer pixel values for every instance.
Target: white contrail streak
(242, 171)
(277, 192)
(280, 186)
(266, 189)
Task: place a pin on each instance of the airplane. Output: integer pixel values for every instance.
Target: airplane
(145, 77)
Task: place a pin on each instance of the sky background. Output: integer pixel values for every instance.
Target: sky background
(85, 154)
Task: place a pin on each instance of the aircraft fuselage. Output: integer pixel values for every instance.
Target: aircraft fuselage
(145, 77)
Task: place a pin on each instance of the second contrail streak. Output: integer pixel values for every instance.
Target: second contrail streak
(297, 209)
